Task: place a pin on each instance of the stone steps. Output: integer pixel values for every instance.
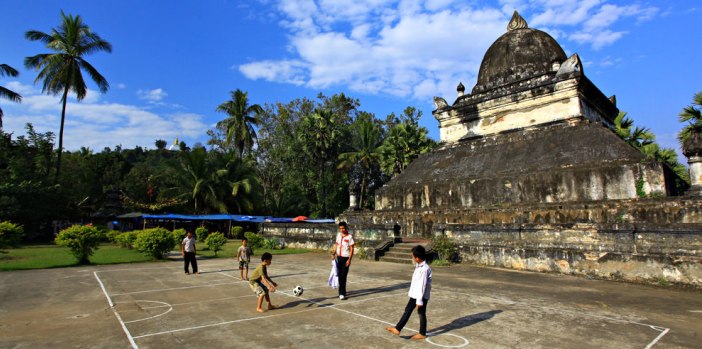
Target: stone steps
(400, 253)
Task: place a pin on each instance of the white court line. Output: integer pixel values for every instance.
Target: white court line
(196, 302)
(172, 289)
(112, 306)
(170, 308)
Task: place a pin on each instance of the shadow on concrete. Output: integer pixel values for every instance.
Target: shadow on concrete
(356, 293)
(367, 291)
(465, 321)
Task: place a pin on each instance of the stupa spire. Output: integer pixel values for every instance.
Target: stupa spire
(517, 22)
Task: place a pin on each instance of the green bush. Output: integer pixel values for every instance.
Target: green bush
(10, 234)
(178, 236)
(126, 239)
(112, 236)
(254, 240)
(82, 240)
(272, 244)
(155, 242)
(445, 247)
(237, 232)
(201, 233)
(215, 241)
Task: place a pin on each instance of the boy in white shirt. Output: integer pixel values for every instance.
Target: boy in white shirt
(419, 292)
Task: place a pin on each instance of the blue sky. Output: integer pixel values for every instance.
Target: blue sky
(173, 62)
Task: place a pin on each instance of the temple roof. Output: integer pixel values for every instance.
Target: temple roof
(519, 54)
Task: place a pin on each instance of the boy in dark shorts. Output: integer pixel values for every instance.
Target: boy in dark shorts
(244, 257)
(261, 283)
(419, 292)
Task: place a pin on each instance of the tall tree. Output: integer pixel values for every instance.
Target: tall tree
(321, 135)
(404, 143)
(5, 92)
(366, 138)
(638, 137)
(62, 71)
(239, 124)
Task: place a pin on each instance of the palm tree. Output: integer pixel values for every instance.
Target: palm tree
(639, 137)
(691, 135)
(196, 180)
(366, 139)
(241, 121)
(6, 93)
(404, 143)
(62, 71)
(320, 136)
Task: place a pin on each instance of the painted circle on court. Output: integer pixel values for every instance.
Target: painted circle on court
(458, 342)
(170, 308)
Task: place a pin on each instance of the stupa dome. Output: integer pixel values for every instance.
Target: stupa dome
(519, 54)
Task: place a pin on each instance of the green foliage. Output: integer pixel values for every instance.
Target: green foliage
(127, 239)
(272, 244)
(215, 241)
(112, 236)
(10, 234)
(640, 187)
(444, 247)
(237, 232)
(156, 242)
(178, 236)
(201, 233)
(254, 240)
(692, 115)
(82, 240)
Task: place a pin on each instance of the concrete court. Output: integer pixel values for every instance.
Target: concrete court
(157, 306)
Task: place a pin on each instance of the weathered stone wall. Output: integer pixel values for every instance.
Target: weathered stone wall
(630, 252)
(321, 236)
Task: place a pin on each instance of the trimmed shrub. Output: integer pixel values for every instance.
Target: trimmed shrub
(215, 241)
(82, 240)
(112, 236)
(178, 236)
(271, 244)
(237, 232)
(254, 240)
(201, 233)
(10, 234)
(126, 239)
(155, 242)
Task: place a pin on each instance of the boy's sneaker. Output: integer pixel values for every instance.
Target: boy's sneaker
(342, 297)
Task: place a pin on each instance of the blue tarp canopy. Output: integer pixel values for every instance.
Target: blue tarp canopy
(207, 217)
(220, 217)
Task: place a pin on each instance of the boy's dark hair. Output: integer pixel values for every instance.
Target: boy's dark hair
(419, 252)
(342, 224)
(266, 256)
(244, 239)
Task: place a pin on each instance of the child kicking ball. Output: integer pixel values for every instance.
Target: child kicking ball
(261, 283)
(419, 292)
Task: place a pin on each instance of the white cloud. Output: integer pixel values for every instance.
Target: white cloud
(416, 49)
(99, 125)
(155, 95)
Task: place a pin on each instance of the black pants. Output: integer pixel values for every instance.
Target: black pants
(342, 271)
(190, 258)
(422, 311)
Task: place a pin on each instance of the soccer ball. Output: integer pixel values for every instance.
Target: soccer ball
(297, 291)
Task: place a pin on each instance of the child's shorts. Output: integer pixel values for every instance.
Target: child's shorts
(259, 288)
(243, 264)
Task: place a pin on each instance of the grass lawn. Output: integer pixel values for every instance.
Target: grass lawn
(52, 256)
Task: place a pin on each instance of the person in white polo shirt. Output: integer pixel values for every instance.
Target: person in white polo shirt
(343, 252)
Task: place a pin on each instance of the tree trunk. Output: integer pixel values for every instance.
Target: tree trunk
(60, 145)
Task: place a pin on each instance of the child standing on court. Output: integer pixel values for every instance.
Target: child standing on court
(261, 283)
(244, 257)
(187, 250)
(419, 292)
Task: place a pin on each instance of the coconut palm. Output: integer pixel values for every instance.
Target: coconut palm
(638, 137)
(240, 124)
(62, 70)
(6, 93)
(404, 143)
(366, 138)
(691, 135)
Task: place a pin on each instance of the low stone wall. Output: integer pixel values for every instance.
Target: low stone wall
(670, 254)
(321, 236)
